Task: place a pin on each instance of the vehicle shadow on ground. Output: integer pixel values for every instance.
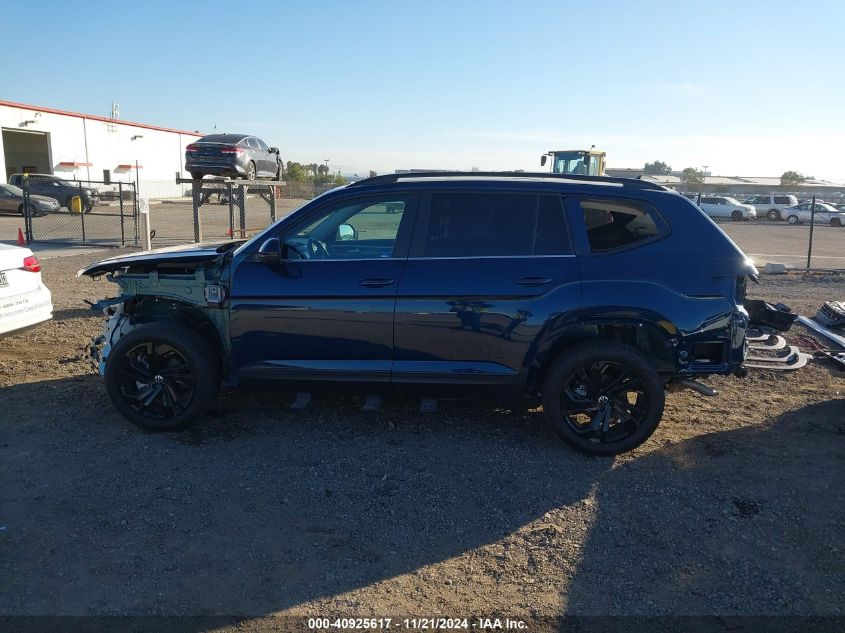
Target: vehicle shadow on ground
(75, 313)
(739, 522)
(258, 509)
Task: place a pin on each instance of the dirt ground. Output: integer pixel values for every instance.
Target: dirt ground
(736, 506)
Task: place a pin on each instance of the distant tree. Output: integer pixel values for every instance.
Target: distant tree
(340, 180)
(657, 168)
(373, 173)
(295, 172)
(474, 169)
(322, 170)
(791, 179)
(692, 177)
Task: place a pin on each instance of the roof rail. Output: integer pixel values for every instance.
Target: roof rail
(392, 178)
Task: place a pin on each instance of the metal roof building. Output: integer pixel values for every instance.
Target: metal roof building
(734, 184)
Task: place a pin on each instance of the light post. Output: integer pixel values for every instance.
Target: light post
(137, 137)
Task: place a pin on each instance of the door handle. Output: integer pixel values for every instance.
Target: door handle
(375, 283)
(533, 281)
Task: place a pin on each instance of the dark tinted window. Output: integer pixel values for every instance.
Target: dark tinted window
(477, 225)
(709, 201)
(614, 224)
(552, 237)
(781, 200)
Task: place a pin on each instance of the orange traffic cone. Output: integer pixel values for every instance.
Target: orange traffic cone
(21, 241)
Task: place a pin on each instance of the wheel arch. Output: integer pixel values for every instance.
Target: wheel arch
(155, 308)
(654, 338)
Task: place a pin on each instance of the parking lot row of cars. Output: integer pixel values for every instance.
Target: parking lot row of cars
(772, 207)
(47, 194)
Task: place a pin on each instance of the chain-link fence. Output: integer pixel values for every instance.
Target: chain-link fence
(212, 210)
(80, 211)
(810, 234)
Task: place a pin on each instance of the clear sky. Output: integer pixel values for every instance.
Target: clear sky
(745, 87)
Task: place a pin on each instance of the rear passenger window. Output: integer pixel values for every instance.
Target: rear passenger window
(781, 200)
(495, 225)
(473, 225)
(615, 224)
(552, 237)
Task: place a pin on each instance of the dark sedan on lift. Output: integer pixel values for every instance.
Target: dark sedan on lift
(233, 156)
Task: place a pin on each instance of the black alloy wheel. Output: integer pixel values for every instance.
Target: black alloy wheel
(603, 398)
(162, 375)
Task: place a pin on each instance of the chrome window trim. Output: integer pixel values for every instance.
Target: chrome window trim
(496, 257)
(381, 259)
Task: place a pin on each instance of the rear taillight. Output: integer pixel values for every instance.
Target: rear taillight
(192, 148)
(31, 264)
(231, 150)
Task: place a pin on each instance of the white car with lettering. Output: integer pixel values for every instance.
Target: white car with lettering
(24, 299)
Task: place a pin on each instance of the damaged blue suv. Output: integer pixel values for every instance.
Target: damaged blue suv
(591, 295)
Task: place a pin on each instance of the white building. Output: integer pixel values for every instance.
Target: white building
(89, 147)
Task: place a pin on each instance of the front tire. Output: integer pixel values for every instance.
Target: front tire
(603, 398)
(835, 222)
(162, 376)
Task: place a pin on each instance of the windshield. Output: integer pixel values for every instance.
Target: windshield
(570, 163)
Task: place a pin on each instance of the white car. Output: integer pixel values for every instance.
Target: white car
(726, 207)
(24, 299)
(825, 214)
(772, 206)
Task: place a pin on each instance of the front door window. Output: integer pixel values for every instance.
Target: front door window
(363, 229)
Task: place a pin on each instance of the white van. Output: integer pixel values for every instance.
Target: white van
(772, 205)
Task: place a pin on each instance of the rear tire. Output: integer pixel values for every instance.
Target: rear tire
(196, 175)
(587, 397)
(162, 376)
(835, 222)
(736, 216)
(250, 171)
(773, 215)
(792, 219)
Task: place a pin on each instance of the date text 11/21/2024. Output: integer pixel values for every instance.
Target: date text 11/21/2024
(417, 624)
